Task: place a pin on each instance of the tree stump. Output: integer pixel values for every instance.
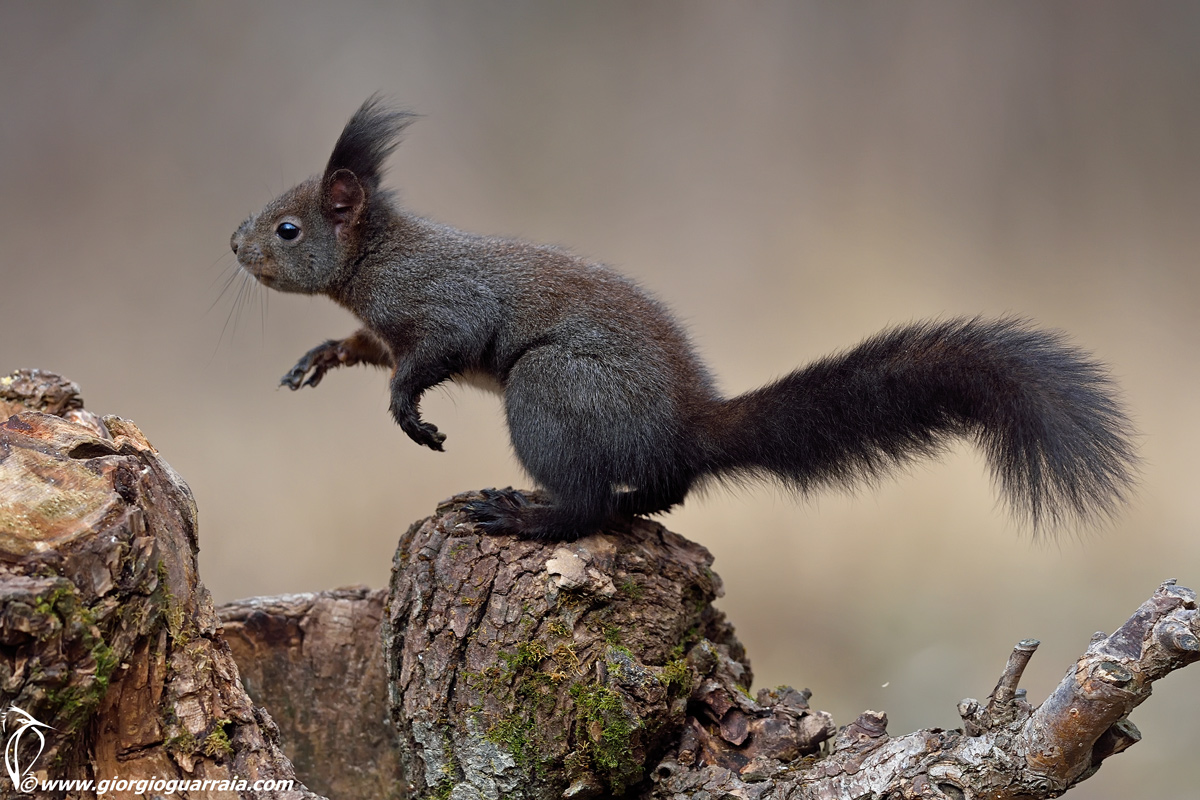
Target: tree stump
(542, 670)
(491, 667)
(108, 640)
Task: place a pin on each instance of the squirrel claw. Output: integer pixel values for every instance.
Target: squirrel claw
(499, 513)
(425, 433)
(294, 379)
(319, 360)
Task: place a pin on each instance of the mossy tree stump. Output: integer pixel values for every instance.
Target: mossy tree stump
(526, 669)
(107, 636)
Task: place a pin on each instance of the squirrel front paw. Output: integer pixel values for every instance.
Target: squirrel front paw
(319, 360)
(422, 432)
(426, 433)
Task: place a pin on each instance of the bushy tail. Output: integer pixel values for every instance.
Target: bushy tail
(1043, 411)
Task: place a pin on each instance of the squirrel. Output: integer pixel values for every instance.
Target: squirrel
(609, 408)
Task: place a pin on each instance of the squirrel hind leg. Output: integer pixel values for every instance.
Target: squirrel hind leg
(603, 449)
(508, 512)
(567, 518)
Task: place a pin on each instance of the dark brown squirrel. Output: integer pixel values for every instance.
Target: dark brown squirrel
(608, 406)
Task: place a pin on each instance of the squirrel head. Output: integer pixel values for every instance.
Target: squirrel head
(301, 241)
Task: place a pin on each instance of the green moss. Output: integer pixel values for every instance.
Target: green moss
(172, 609)
(632, 589)
(217, 744)
(677, 676)
(183, 743)
(450, 771)
(690, 637)
(60, 602)
(523, 686)
(106, 661)
(566, 660)
(612, 634)
(604, 725)
(443, 789)
(535, 691)
(75, 703)
(558, 628)
(512, 733)
(528, 654)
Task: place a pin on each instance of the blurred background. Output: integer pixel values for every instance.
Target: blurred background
(789, 177)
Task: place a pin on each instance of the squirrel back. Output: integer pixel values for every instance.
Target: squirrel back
(608, 406)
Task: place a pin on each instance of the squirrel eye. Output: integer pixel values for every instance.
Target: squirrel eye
(287, 231)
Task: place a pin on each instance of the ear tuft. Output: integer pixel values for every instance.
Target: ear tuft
(342, 201)
(367, 140)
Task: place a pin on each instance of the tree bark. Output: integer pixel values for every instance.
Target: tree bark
(533, 669)
(490, 667)
(482, 632)
(316, 661)
(108, 640)
(1007, 750)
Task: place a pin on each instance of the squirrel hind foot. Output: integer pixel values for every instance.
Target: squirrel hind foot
(508, 512)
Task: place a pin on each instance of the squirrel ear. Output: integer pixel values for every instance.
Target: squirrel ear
(343, 201)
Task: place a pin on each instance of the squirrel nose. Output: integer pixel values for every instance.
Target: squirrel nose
(233, 242)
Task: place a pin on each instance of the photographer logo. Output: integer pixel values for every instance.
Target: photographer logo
(20, 771)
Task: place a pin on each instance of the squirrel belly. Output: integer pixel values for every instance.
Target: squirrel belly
(608, 407)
